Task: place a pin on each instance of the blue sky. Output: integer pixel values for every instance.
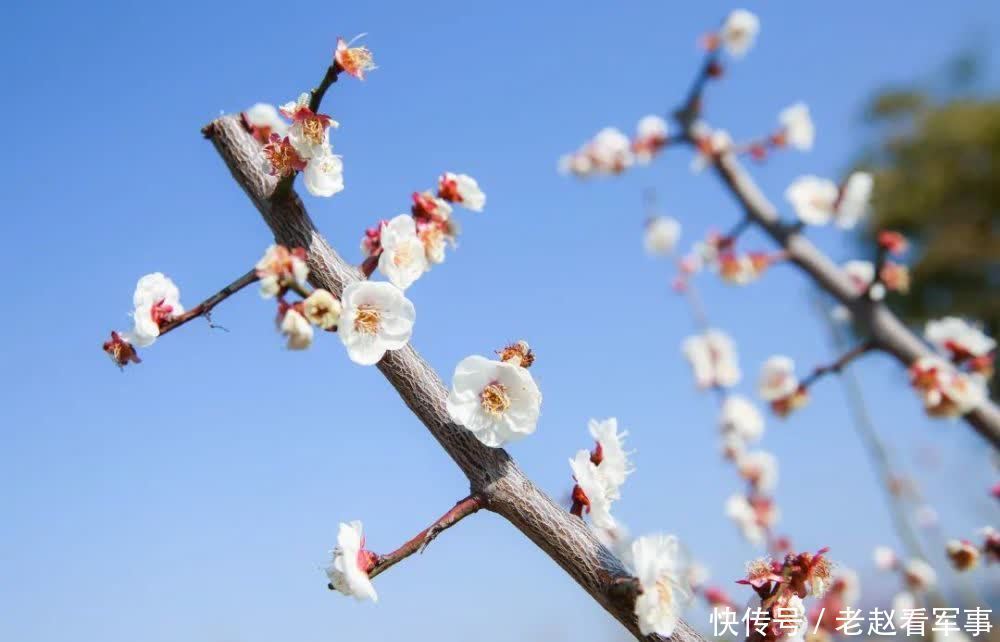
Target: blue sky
(195, 496)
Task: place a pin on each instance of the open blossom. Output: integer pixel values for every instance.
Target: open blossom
(960, 340)
(354, 60)
(375, 318)
(281, 158)
(156, 300)
(760, 468)
(885, 558)
(860, 274)
(120, 350)
(919, 575)
(817, 201)
(593, 492)
(742, 512)
(264, 120)
(403, 259)
(650, 138)
(797, 128)
(463, 189)
(659, 563)
(708, 144)
(739, 32)
(280, 267)
(298, 330)
(813, 199)
(309, 133)
(609, 453)
(322, 309)
(661, 236)
(713, 359)
(497, 401)
(946, 392)
(740, 269)
(761, 572)
(324, 175)
(611, 151)
(963, 554)
(777, 378)
(855, 199)
(351, 563)
(740, 417)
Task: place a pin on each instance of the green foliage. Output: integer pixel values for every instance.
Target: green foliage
(937, 180)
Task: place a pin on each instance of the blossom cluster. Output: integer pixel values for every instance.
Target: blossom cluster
(953, 383)
(718, 253)
(818, 201)
(612, 152)
(599, 474)
(406, 246)
(156, 303)
(301, 145)
(780, 387)
(780, 588)
(965, 555)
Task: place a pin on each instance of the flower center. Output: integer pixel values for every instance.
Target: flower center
(494, 399)
(313, 130)
(664, 593)
(403, 256)
(367, 320)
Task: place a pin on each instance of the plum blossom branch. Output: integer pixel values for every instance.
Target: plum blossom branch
(204, 309)
(838, 365)
(465, 507)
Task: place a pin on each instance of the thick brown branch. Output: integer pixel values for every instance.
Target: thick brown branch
(888, 333)
(460, 511)
(204, 308)
(491, 471)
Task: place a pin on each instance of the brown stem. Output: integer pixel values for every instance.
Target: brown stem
(204, 308)
(835, 367)
(460, 511)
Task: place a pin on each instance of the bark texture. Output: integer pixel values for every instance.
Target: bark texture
(491, 471)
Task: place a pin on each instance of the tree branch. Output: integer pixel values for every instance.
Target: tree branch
(204, 308)
(886, 331)
(491, 471)
(460, 511)
(835, 367)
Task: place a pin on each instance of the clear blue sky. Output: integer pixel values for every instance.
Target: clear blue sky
(194, 497)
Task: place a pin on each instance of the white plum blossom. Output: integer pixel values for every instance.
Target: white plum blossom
(156, 299)
(403, 257)
(945, 391)
(861, 273)
(713, 359)
(662, 234)
(739, 32)
(497, 401)
(264, 120)
(611, 150)
(298, 330)
(885, 558)
(599, 492)
(760, 468)
(278, 266)
(376, 317)
(650, 137)
(959, 338)
(743, 514)
(614, 462)
(740, 417)
(797, 126)
(813, 199)
(709, 144)
(660, 565)
(324, 175)
(322, 309)
(463, 189)
(345, 571)
(855, 199)
(919, 575)
(777, 379)
(309, 133)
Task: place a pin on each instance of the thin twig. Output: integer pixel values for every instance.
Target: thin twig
(835, 367)
(460, 511)
(688, 113)
(205, 307)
